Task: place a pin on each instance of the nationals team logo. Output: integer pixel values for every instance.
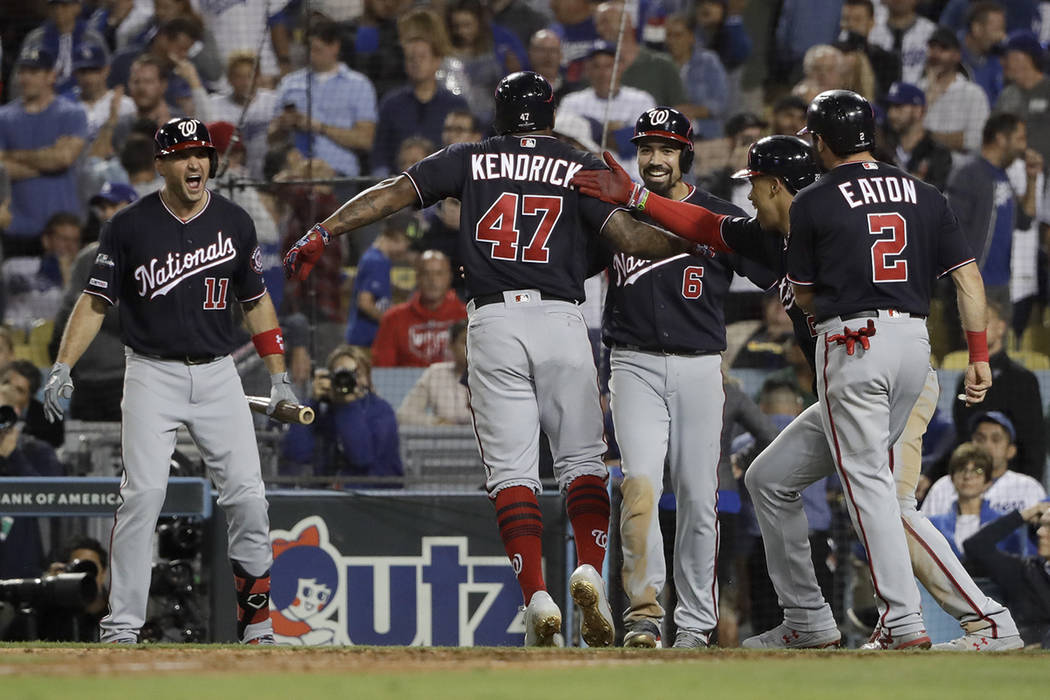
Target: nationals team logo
(158, 278)
(257, 264)
(442, 596)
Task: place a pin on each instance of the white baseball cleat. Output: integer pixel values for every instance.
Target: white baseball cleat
(684, 639)
(543, 622)
(883, 640)
(588, 590)
(784, 637)
(975, 641)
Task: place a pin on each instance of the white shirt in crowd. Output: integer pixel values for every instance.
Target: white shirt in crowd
(1011, 491)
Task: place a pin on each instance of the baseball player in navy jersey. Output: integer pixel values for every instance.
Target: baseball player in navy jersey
(523, 239)
(778, 167)
(175, 262)
(665, 325)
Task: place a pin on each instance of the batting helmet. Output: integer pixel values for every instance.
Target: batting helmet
(786, 157)
(181, 133)
(843, 119)
(669, 124)
(524, 102)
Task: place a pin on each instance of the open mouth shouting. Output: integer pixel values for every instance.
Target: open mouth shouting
(194, 183)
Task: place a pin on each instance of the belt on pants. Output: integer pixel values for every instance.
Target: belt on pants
(874, 313)
(184, 359)
(662, 351)
(498, 298)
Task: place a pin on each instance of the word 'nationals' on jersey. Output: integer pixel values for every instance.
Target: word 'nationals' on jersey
(514, 187)
(912, 236)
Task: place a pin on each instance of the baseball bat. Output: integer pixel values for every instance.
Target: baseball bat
(286, 411)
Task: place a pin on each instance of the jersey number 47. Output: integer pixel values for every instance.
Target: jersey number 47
(499, 226)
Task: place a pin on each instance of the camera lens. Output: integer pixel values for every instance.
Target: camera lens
(344, 381)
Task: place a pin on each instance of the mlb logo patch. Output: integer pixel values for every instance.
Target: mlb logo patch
(521, 298)
(528, 143)
(868, 165)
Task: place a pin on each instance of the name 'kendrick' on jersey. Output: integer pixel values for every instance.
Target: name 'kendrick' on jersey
(523, 166)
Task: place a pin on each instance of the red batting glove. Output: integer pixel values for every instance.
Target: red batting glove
(302, 256)
(613, 186)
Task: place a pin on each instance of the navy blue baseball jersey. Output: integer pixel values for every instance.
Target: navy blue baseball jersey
(769, 249)
(676, 304)
(521, 225)
(175, 280)
(869, 236)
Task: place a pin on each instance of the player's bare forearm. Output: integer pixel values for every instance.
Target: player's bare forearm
(84, 324)
(804, 297)
(378, 201)
(969, 290)
(260, 316)
(642, 240)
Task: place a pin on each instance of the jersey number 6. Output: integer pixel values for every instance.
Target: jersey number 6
(883, 267)
(692, 284)
(499, 226)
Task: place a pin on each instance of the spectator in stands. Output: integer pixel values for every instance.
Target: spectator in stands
(983, 201)
(99, 373)
(342, 120)
(913, 146)
(415, 333)
(21, 381)
(41, 137)
(520, 17)
(373, 291)
(642, 68)
(120, 21)
(62, 35)
(717, 160)
(260, 102)
(1029, 89)
(420, 107)
(823, 68)
(857, 73)
(110, 198)
(81, 626)
(994, 433)
(355, 432)
(789, 115)
(33, 284)
(622, 104)
(439, 396)
(7, 348)
(170, 46)
(798, 373)
(460, 126)
(252, 26)
(765, 348)
(488, 52)
(799, 25)
(1015, 392)
(1024, 581)
(856, 22)
(985, 31)
(545, 58)
(956, 107)
(970, 470)
(724, 33)
(574, 25)
(412, 150)
(147, 84)
(702, 75)
(21, 455)
(204, 52)
(136, 157)
(1020, 14)
(905, 33)
(102, 104)
(371, 45)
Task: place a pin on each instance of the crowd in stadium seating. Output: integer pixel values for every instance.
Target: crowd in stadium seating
(302, 97)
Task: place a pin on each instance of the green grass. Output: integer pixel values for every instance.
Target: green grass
(461, 674)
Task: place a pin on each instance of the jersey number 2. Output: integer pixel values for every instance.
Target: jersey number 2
(499, 226)
(215, 292)
(884, 268)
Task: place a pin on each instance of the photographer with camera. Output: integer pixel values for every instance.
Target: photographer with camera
(81, 554)
(355, 432)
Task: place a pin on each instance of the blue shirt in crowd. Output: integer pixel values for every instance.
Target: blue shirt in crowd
(996, 270)
(986, 71)
(34, 200)
(402, 115)
(373, 275)
(706, 84)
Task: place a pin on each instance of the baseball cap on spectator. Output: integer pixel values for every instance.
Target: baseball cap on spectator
(997, 417)
(115, 193)
(90, 55)
(36, 57)
(850, 41)
(1026, 42)
(222, 135)
(602, 47)
(945, 38)
(744, 120)
(905, 94)
(577, 128)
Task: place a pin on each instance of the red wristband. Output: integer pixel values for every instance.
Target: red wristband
(269, 342)
(977, 342)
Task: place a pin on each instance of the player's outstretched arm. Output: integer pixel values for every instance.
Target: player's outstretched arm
(84, 324)
(686, 220)
(969, 290)
(642, 240)
(378, 201)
